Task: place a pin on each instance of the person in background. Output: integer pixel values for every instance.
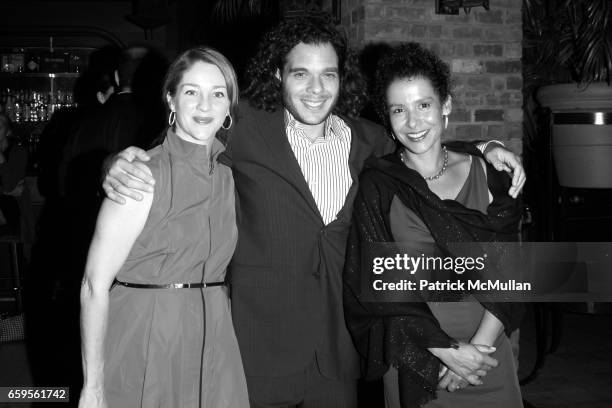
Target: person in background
(97, 83)
(429, 194)
(155, 316)
(129, 115)
(123, 119)
(63, 230)
(96, 87)
(16, 216)
(68, 152)
(295, 154)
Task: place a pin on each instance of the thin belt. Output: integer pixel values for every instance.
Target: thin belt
(197, 285)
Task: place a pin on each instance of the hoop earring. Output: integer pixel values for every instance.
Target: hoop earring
(172, 118)
(445, 121)
(230, 124)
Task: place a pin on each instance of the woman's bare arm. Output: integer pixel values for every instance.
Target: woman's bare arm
(117, 228)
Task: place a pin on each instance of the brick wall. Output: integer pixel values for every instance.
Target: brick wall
(483, 49)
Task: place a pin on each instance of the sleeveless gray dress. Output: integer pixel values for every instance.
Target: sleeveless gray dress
(176, 347)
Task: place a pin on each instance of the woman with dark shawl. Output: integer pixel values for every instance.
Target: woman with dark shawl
(443, 353)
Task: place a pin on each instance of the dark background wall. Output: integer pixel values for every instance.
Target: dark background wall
(482, 47)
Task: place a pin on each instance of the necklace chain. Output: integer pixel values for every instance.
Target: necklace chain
(435, 176)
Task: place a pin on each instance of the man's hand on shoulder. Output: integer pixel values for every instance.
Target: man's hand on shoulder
(125, 175)
(505, 160)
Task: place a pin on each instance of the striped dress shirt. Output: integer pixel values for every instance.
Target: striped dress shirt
(324, 162)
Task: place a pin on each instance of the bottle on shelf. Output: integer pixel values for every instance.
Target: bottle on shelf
(26, 105)
(32, 63)
(18, 109)
(42, 108)
(75, 63)
(6, 61)
(27, 108)
(19, 58)
(50, 105)
(13, 61)
(34, 107)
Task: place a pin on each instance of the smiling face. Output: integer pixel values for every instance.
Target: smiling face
(311, 82)
(201, 103)
(416, 113)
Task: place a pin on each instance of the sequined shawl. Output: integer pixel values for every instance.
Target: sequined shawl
(396, 333)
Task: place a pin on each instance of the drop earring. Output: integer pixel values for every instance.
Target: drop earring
(231, 121)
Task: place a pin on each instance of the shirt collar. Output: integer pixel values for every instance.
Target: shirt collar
(333, 124)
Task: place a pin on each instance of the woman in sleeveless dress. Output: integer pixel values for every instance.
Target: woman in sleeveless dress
(428, 195)
(156, 324)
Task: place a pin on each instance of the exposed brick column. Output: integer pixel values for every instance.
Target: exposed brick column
(353, 18)
(483, 49)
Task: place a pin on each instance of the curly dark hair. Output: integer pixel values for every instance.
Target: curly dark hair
(409, 60)
(264, 89)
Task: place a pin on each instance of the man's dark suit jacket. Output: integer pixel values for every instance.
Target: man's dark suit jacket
(286, 274)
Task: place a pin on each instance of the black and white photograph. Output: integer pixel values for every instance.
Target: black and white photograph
(306, 203)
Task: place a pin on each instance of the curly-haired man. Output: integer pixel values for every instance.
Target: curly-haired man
(296, 153)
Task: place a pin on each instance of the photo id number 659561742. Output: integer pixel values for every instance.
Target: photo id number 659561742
(34, 394)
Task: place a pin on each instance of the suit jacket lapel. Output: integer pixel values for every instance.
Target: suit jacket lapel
(275, 137)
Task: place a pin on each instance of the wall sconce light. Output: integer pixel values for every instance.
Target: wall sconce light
(453, 6)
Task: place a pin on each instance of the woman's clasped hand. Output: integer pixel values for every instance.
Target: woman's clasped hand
(464, 365)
